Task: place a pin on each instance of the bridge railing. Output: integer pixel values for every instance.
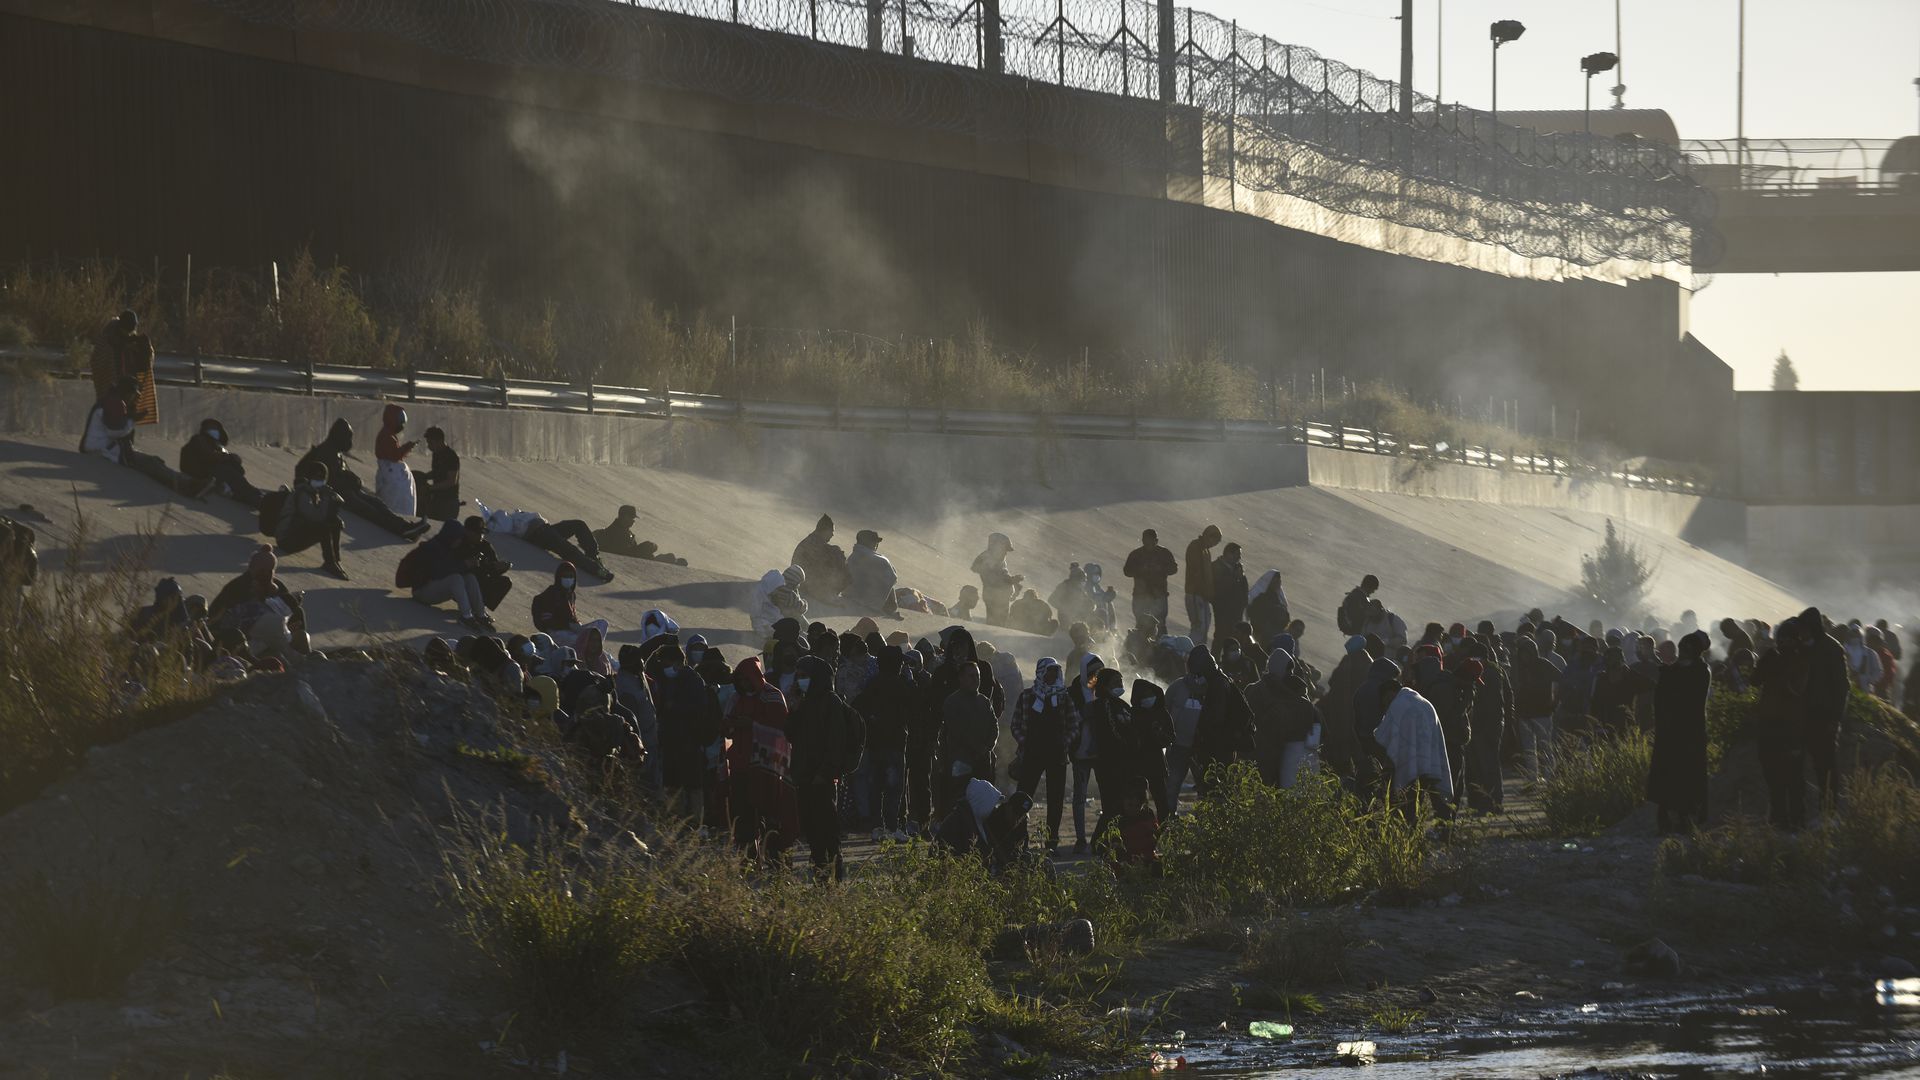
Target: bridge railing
(1802, 166)
(665, 403)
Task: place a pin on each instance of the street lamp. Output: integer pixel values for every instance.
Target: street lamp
(1593, 65)
(1501, 32)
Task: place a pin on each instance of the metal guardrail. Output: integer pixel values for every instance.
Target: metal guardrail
(667, 404)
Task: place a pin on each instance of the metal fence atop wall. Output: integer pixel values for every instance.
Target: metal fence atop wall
(667, 404)
(1802, 166)
(1267, 116)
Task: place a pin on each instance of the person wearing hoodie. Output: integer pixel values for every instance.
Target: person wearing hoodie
(824, 562)
(1573, 701)
(870, 576)
(776, 598)
(447, 569)
(1230, 592)
(310, 515)
(828, 737)
(1224, 727)
(1240, 666)
(1780, 725)
(1535, 685)
(1340, 744)
(1356, 607)
(1199, 584)
(1081, 639)
(1677, 778)
(890, 704)
(1150, 566)
(1112, 719)
(969, 728)
(1153, 729)
(997, 583)
(1083, 744)
(1267, 608)
(332, 452)
(1043, 727)
(1369, 705)
(1412, 741)
(761, 795)
(205, 458)
(1829, 683)
(1283, 720)
(392, 479)
(554, 611)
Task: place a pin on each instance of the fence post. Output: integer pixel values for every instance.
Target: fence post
(309, 374)
(589, 394)
(666, 399)
(500, 380)
(196, 369)
(413, 383)
(1339, 434)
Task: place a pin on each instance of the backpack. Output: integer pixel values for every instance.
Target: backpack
(271, 504)
(771, 752)
(1352, 616)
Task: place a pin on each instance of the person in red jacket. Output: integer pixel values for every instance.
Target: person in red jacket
(761, 795)
(392, 480)
(554, 613)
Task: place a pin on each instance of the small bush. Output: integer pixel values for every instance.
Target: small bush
(1615, 575)
(14, 333)
(1877, 829)
(85, 939)
(1300, 951)
(1749, 852)
(1592, 785)
(1250, 847)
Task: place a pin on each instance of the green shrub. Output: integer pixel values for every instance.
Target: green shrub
(1877, 829)
(1251, 847)
(322, 319)
(1748, 851)
(84, 939)
(1615, 575)
(1592, 785)
(14, 333)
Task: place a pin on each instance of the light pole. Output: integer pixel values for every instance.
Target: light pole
(1620, 73)
(1501, 32)
(1593, 64)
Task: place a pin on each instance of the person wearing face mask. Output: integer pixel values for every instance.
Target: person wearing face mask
(392, 480)
(205, 458)
(1237, 665)
(828, 738)
(1042, 730)
(554, 611)
(968, 732)
(332, 452)
(1084, 744)
(1153, 734)
(761, 795)
(309, 515)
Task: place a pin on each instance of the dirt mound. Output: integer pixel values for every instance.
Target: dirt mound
(294, 822)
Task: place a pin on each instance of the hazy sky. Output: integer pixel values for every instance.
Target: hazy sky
(1815, 68)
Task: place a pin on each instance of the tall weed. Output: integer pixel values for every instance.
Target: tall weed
(1594, 784)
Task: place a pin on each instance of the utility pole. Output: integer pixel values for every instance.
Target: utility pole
(1163, 38)
(1439, 50)
(1740, 99)
(1619, 72)
(1406, 59)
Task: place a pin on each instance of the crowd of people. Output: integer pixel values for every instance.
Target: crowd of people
(811, 732)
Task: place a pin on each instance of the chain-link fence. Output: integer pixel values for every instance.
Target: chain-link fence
(1269, 117)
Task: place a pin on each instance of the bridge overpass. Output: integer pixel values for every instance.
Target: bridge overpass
(1812, 205)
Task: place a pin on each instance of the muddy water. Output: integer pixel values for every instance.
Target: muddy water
(1803, 1033)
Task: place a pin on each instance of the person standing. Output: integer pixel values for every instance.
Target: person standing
(968, 732)
(1677, 778)
(1230, 593)
(1535, 683)
(889, 705)
(1283, 720)
(1224, 727)
(392, 480)
(689, 722)
(997, 583)
(760, 792)
(1781, 674)
(1828, 683)
(1492, 717)
(1083, 745)
(1340, 745)
(1414, 745)
(1150, 566)
(1199, 590)
(827, 737)
(122, 351)
(1042, 725)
